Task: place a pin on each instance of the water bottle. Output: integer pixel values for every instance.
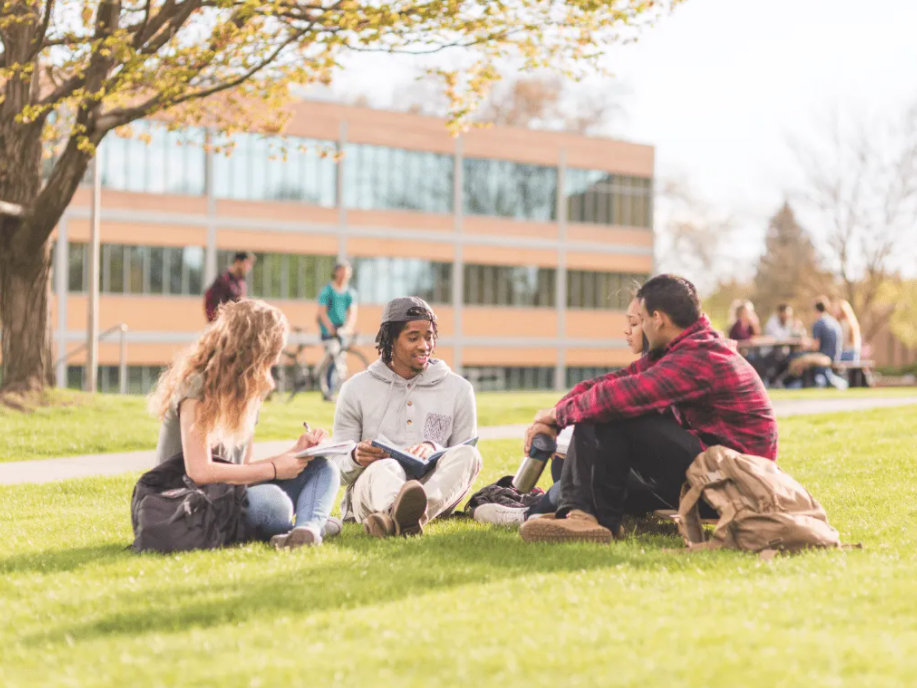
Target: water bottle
(532, 466)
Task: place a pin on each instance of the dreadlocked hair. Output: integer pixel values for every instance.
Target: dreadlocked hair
(389, 332)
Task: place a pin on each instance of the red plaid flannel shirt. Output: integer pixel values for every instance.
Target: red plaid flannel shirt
(714, 393)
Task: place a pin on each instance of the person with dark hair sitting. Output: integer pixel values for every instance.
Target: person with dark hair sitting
(414, 401)
(715, 398)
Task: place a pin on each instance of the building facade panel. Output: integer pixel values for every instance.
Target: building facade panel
(280, 242)
(526, 243)
(509, 356)
(593, 324)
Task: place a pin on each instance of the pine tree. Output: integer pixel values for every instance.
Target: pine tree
(789, 271)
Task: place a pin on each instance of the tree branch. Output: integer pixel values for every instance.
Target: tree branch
(38, 40)
(117, 118)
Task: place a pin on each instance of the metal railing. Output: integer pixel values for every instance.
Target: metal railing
(121, 328)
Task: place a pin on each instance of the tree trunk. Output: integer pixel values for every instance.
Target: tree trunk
(25, 317)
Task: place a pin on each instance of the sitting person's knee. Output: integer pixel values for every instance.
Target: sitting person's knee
(326, 466)
(466, 455)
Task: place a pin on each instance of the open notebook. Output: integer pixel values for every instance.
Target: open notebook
(328, 449)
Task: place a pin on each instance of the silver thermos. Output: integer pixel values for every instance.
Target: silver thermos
(532, 466)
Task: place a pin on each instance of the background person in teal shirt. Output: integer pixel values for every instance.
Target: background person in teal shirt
(337, 303)
(337, 308)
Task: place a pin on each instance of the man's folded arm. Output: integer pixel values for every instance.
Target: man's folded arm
(654, 389)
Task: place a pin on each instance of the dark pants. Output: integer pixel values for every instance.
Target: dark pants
(640, 499)
(597, 470)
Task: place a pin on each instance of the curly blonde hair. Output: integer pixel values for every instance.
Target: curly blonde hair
(233, 359)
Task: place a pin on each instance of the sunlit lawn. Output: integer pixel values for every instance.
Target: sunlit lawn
(471, 605)
(80, 424)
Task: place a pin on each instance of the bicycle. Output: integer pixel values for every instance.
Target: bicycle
(340, 361)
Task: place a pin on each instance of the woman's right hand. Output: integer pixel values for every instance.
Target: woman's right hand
(288, 466)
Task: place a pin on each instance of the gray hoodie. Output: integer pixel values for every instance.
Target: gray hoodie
(436, 406)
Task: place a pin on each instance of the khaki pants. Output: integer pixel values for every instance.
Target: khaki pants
(376, 488)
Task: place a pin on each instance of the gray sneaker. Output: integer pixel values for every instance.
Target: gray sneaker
(333, 528)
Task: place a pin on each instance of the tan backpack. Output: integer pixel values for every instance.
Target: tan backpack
(761, 508)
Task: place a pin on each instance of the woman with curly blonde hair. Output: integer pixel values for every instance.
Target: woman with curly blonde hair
(208, 403)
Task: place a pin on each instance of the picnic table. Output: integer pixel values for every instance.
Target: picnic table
(764, 342)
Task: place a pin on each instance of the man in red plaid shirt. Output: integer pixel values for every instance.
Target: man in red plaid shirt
(693, 390)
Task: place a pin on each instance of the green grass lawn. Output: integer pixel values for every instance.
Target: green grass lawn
(471, 605)
(78, 423)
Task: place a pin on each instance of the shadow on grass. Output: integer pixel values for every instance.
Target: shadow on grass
(62, 561)
(386, 572)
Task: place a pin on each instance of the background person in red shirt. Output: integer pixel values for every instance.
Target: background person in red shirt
(229, 286)
(714, 395)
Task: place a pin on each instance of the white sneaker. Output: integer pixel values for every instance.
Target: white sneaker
(499, 515)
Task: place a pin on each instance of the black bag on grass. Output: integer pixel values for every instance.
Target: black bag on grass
(170, 513)
(502, 492)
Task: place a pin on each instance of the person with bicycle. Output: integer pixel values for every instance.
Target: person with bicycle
(415, 401)
(337, 314)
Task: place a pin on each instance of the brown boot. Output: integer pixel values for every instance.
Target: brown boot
(409, 509)
(379, 525)
(577, 527)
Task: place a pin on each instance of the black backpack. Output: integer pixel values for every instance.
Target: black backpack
(170, 513)
(502, 492)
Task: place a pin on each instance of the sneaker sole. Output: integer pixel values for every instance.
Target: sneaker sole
(547, 530)
(375, 526)
(410, 506)
(298, 537)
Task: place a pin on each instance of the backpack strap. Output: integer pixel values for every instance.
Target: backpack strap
(688, 517)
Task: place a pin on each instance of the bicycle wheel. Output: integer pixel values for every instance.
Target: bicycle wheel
(301, 382)
(334, 373)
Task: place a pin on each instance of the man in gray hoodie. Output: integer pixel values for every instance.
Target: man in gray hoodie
(416, 402)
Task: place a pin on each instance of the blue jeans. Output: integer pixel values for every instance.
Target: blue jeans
(851, 355)
(309, 496)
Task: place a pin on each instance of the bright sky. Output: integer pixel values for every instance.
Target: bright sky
(718, 86)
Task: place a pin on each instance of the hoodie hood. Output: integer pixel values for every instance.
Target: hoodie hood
(436, 372)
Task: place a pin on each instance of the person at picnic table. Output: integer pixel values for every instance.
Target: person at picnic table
(208, 401)
(851, 336)
(414, 401)
(781, 324)
(640, 500)
(827, 339)
(746, 324)
(715, 397)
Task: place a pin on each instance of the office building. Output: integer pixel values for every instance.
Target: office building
(526, 243)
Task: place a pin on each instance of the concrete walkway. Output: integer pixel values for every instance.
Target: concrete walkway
(49, 470)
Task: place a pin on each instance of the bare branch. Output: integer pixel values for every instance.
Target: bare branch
(38, 40)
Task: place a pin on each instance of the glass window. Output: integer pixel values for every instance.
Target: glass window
(171, 270)
(380, 177)
(497, 285)
(276, 168)
(601, 290)
(153, 160)
(114, 269)
(156, 272)
(77, 267)
(602, 198)
(379, 280)
(509, 189)
(192, 270)
(509, 378)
